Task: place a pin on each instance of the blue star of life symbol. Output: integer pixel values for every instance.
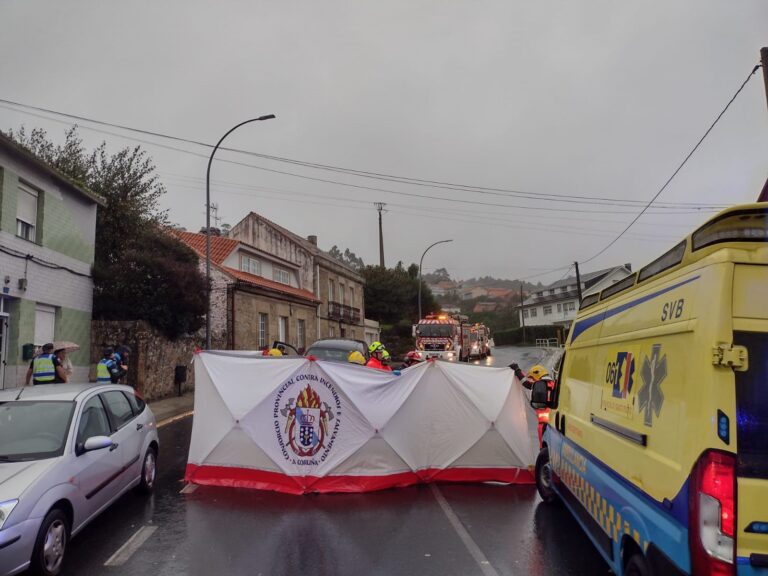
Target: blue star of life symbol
(653, 373)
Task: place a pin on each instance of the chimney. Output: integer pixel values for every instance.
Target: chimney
(312, 240)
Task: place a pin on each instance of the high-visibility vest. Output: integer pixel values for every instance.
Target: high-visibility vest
(103, 375)
(43, 370)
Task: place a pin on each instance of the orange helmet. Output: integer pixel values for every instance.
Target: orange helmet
(538, 372)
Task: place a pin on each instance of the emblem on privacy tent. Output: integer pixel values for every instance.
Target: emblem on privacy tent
(651, 396)
(306, 424)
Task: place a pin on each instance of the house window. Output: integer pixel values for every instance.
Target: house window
(571, 305)
(263, 333)
(281, 275)
(45, 324)
(332, 331)
(533, 312)
(331, 291)
(301, 333)
(547, 310)
(525, 313)
(26, 213)
(559, 307)
(282, 328)
(250, 265)
(351, 296)
(341, 293)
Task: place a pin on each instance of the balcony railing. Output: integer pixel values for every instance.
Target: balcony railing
(338, 311)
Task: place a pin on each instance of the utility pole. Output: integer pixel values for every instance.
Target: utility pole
(578, 282)
(764, 60)
(522, 317)
(380, 208)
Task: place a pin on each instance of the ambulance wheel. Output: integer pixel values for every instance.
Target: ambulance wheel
(637, 566)
(544, 477)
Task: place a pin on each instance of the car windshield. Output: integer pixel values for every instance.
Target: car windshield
(332, 354)
(33, 430)
(435, 330)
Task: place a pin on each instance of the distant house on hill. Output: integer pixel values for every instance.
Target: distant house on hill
(558, 303)
(474, 292)
(500, 293)
(485, 307)
(444, 288)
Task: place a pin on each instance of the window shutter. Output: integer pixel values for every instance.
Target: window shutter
(26, 209)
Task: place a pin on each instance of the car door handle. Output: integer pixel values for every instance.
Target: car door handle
(139, 426)
(113, 447)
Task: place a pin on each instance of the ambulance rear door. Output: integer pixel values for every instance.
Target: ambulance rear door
(750, 311)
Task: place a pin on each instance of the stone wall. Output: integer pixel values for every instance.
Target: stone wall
(153, 359)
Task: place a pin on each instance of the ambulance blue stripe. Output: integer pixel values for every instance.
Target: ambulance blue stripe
(588, 323)
(663, 523)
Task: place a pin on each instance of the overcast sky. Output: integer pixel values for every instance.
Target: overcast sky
(592, 98)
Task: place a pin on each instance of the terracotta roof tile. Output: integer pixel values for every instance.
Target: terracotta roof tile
(270, 284)
(220, 247)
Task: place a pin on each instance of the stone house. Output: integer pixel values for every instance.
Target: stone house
(47, 247)
(338, 287)
(257, 296)
(558, 303)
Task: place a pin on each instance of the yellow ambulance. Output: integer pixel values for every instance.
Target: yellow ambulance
(658, 435)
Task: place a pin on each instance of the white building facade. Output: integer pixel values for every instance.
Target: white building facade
(557, 304)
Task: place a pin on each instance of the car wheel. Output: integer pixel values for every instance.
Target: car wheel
(51, 544)
(148, 472)
(544, 477)
(637, 566)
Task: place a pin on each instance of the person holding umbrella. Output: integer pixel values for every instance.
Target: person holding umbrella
(60, 350)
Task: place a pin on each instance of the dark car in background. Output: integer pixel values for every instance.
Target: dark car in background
(336, 349)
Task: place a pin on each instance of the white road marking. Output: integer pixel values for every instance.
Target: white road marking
(173, 419)
(470, 544)
(127, 550)
(188, 489)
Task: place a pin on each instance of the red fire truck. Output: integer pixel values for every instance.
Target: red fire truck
(451, 338)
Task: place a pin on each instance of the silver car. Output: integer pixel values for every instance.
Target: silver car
(67, 451)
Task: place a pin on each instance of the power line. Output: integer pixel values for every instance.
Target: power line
(680, 167)
(386, 190)
(567, 198)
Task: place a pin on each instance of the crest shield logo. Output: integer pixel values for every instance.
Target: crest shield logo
(307, 423)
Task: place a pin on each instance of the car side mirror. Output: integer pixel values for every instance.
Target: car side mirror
(97, 443)
(541, 395)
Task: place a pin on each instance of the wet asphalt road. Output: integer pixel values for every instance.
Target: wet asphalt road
(502, 530)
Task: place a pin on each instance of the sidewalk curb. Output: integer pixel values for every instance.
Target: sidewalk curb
(173, 419)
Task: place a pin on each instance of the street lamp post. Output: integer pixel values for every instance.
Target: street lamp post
(420, 262)
(208, 226)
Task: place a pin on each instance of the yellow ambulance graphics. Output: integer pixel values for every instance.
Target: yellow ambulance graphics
(658, 438)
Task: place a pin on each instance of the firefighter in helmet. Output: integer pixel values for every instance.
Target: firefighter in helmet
(376, 350)
(536, 373)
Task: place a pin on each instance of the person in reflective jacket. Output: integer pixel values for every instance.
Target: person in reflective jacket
(108, 371)
(46, 368)
(536, 373)
(377, 350)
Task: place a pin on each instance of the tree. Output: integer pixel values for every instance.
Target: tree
(439, 275)
(140, 273)
(347, 257)
(391, 294)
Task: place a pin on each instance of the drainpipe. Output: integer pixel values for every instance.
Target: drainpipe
(317, 294)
